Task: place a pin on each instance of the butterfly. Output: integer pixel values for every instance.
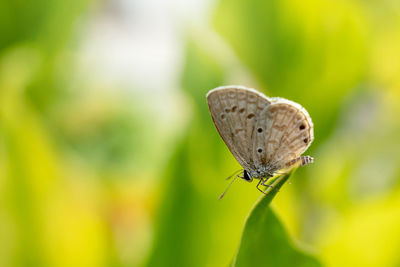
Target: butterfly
(264, 134)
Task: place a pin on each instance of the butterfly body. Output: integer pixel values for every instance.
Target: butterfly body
(264, 134)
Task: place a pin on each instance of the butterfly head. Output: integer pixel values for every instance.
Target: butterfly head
(246, 176)
(265, 171)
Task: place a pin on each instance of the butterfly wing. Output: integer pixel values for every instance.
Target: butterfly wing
(291, 133)
(236, 111)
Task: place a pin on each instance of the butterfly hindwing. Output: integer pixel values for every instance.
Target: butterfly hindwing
(297, 133)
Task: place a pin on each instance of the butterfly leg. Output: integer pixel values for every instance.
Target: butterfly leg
(262, 182)
(259, 189)
(303, 160)
(267, 185)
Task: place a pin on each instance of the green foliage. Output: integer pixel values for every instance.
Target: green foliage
(292, 54)
(183, 234)
(67, 138)
(265, 241)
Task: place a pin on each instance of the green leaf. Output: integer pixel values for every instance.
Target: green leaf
(264, 240)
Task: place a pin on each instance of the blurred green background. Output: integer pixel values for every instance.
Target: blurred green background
(108, 155)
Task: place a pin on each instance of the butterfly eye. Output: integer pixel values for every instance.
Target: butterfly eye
(234, 108)
(302, 127)
(259, 150)
(251, 115)
(259, 130)
(246, 176)
(305, 140)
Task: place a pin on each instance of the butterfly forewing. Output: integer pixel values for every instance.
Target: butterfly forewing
(235, 111)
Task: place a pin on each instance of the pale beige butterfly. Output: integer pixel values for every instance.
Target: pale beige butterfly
(264, 134)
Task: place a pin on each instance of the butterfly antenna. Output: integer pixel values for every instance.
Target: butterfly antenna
(226, 190)
(230, 176)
